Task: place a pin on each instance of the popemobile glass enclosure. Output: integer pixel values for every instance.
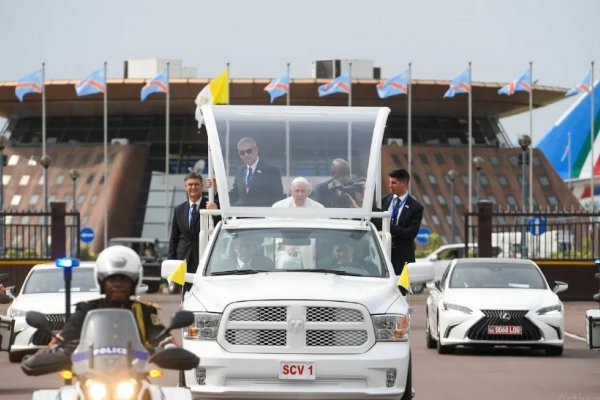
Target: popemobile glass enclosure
(299, 142)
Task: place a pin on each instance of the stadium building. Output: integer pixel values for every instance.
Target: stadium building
(140, 198)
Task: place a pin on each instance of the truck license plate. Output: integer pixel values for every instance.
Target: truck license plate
(297, 370)
(505, 330)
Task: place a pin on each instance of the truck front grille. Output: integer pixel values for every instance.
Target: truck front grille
(296, 327)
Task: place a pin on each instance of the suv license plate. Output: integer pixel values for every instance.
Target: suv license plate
(505, 330)
(297, 370)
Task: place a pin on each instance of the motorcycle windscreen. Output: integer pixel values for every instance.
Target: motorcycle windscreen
(109, 344)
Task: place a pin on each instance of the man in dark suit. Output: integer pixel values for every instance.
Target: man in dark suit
(407, 214)
(258, 182)
(331, 193)
(248, 256)
(184, 241)
(343, 259)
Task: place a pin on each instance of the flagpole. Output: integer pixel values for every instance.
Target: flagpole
(287, 97)
(45, 159)
(228, 84)
(409, 128)
(106, 185)
(349, 123)
(470, 162)
(569, 159)
(44, 136)
(287, 126)
(531, 135)
(592, 191)
(167, 148)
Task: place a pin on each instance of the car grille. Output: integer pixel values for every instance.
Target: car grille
(296, 327)
(57, 322)
(479, 331)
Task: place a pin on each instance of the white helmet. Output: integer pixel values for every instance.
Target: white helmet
(119, 260)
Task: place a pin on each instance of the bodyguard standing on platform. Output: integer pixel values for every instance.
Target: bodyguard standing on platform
(258, 182)
(184, 241)
(407, 214)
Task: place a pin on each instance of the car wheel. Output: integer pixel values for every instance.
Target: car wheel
(554, 351)
(408, 392)
(416, 289)
(429, 340)
(441, 348)
(174, 288)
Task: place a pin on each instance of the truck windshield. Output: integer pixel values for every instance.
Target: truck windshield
(343, 252)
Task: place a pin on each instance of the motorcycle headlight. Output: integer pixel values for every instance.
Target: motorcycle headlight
(549, 309)
(457, 307)
(95, 389)
(205, 327)
(125, 390)
(391, 327)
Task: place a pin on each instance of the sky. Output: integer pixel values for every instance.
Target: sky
(258, 38)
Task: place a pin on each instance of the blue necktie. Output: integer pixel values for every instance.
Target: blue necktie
(395, 209)
(193, 215)
(248, 176)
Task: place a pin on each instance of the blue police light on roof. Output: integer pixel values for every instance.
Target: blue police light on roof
(67, 262)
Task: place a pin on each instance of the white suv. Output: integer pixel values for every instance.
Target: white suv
(295, 303)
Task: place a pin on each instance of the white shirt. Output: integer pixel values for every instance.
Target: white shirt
(289, 203)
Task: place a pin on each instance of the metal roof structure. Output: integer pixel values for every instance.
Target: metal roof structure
(124, 98)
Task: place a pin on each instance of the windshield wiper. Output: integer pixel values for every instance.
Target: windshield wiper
(332, 271)
(237, 272)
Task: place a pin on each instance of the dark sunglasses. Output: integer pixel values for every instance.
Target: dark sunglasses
(246, 152)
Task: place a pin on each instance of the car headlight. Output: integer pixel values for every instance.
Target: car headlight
(15, 312)
(457, 307)
(549, 309)
(205, 327)
(391, 327)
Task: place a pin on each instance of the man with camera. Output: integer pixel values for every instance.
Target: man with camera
(340, 191)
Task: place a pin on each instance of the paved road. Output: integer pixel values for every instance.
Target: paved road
(492, 375)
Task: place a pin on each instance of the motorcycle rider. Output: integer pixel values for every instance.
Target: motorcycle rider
(119, 272)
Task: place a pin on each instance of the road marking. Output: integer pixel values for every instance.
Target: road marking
(573, 336)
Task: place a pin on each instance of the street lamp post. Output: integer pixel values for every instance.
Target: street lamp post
(524, 142)
(2, 146)
(74, 174)
(452, 174)
(45, 161)
(478, 162)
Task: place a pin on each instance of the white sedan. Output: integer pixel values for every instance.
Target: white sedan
(44, 291)
(494, 302)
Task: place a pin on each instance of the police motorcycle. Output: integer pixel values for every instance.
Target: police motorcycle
(109, 361)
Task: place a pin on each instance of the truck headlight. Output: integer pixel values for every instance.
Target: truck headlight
(391, 327)
(205, 327)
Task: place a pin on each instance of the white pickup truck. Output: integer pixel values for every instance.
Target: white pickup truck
(317, 312)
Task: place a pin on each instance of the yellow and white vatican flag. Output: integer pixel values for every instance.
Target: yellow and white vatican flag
(216, 92)
(178, 274)
(404, 279)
